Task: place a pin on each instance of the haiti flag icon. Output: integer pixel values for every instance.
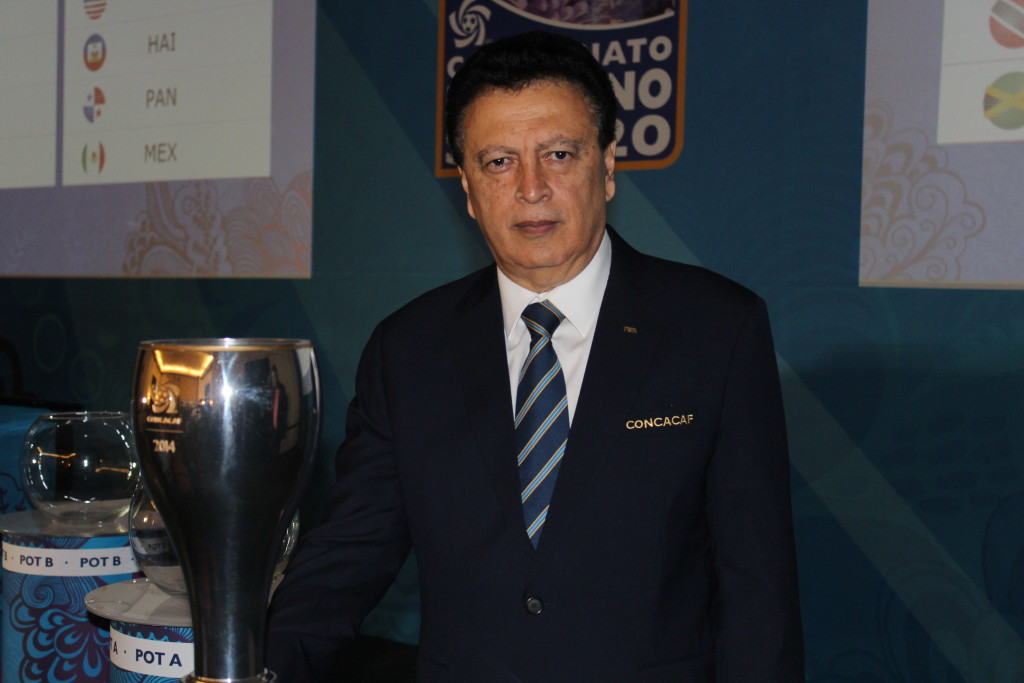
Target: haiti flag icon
(94, 103)
(94, 158)
(95, 52)
(94, 8)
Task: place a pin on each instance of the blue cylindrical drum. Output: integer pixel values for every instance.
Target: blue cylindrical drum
(48, 635)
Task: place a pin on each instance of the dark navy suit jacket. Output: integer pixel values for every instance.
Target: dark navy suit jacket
(668, 551)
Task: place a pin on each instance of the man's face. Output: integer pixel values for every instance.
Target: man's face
(536, 181)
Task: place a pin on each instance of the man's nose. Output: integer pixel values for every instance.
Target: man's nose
(533, 185)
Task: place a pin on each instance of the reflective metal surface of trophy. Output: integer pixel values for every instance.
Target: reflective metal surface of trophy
(226, 431)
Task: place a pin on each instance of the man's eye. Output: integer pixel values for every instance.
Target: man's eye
(500, 162)
(561, 155)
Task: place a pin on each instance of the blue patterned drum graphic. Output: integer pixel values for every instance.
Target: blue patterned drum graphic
(48, 636)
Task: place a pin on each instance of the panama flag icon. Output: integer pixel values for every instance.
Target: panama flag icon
(94, 103)
(94, 158)
(95, 52)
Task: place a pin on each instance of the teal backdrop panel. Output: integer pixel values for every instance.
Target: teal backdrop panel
(903, 405)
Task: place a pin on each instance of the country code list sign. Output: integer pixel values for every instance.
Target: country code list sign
(156, 138)
(156, 90)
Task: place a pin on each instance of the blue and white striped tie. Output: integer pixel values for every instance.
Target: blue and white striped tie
(542, 416)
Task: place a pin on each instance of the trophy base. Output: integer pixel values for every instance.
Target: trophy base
(266, 677)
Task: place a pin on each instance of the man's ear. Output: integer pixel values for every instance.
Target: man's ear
(465, 188)
(609, 169)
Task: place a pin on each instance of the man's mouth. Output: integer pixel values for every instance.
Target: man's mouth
(535, 226)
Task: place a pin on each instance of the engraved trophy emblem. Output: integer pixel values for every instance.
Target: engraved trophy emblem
(226, 432)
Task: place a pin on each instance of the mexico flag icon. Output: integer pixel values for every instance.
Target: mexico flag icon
(94, 158)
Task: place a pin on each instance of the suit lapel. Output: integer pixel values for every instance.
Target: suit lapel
(625, 338)
(478, 345)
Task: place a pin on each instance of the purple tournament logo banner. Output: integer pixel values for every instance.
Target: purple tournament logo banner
(641, 43)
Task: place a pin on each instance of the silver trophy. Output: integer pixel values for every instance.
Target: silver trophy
(226, 430)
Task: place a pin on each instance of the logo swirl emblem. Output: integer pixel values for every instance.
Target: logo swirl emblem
(163, 398)
(469, 23)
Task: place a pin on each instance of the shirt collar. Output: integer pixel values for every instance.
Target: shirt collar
(579, 299)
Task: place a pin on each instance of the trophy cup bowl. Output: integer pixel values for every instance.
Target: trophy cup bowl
(226, 431)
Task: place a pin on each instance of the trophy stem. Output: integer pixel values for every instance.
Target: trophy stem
(229, 599)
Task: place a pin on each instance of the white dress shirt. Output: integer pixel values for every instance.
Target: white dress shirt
(580, 301)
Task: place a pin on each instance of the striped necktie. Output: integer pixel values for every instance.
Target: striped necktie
(542, 416)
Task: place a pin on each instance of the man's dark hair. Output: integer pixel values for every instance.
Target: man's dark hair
(517, 62)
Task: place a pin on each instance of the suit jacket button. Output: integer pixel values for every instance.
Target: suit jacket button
(534, 606)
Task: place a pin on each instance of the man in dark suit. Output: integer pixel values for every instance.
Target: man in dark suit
(651, 539)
